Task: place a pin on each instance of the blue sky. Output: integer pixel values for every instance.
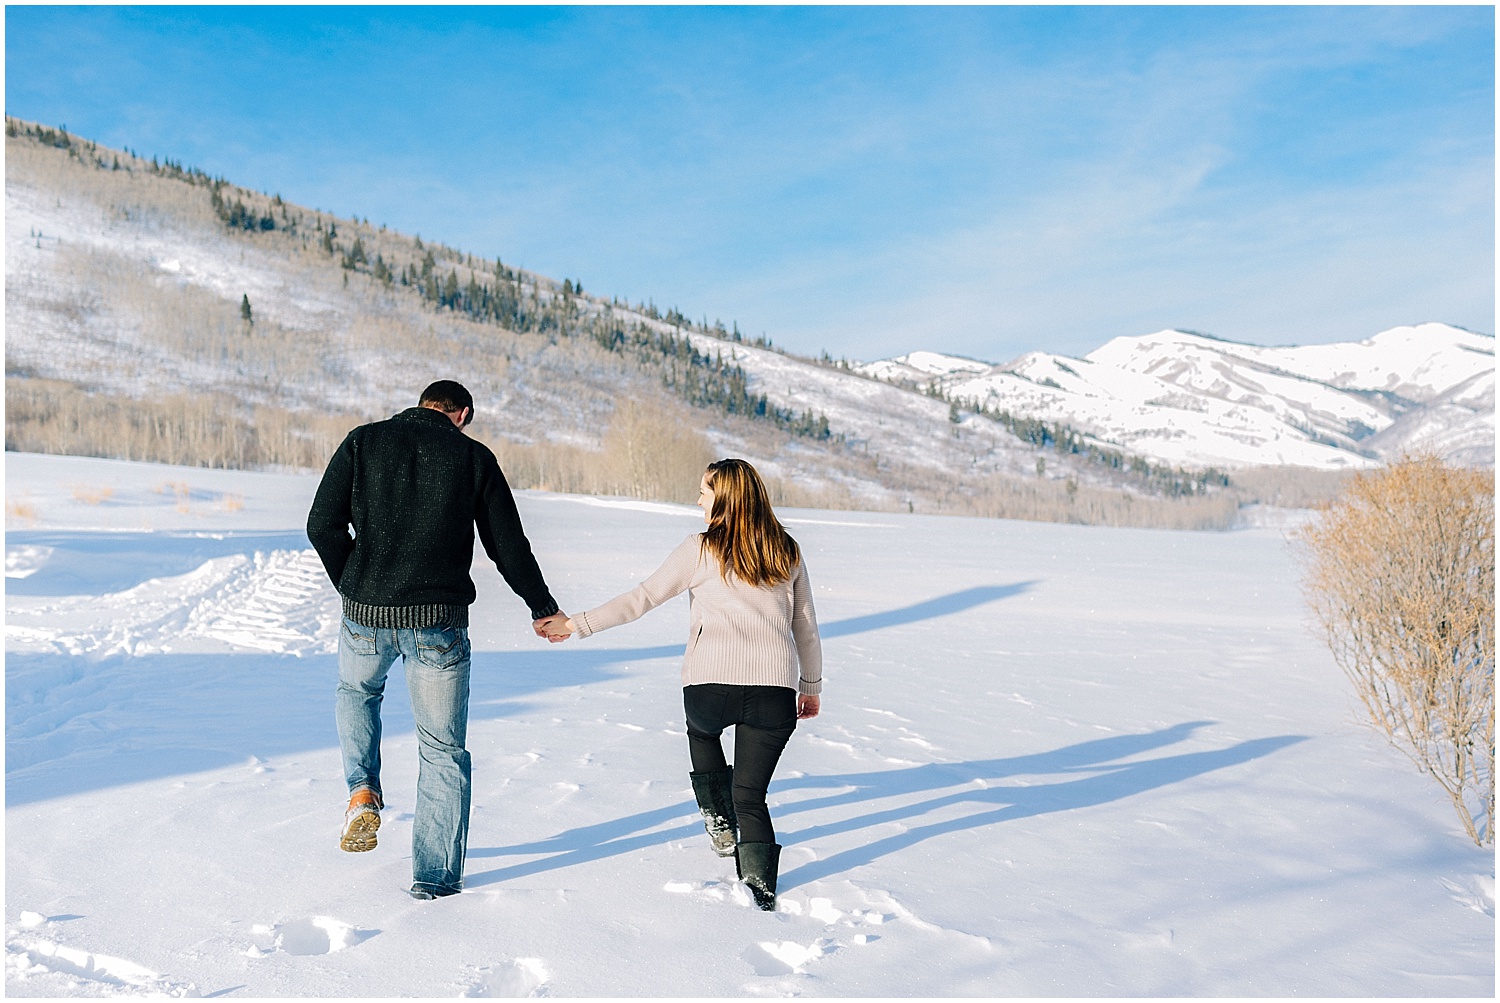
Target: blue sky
(984, 181)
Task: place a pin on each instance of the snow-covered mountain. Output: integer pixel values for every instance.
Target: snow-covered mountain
(124, 283)
(919, 366)
(1187, 398)
(129, 284)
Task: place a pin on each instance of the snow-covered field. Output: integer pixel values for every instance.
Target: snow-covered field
(1054, 760)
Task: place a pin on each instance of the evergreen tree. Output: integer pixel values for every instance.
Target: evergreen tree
(245, 313)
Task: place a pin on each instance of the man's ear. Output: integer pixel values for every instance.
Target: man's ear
(466, 416)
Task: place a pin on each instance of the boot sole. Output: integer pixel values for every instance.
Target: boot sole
(359, 836)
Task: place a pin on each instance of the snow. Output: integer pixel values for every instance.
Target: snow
(1171, 397)
(888, 422)
(1148, 416)
(916, 365)
(1053, 760)
(1191, 399)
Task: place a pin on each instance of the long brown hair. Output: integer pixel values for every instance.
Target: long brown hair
(743, 532)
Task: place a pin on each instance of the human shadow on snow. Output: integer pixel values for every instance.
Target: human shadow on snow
(77, 723)
(954, 784)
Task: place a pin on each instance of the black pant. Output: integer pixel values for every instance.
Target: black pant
(764, 718)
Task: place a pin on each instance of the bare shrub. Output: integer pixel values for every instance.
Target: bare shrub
(1002, 496)
(654, 452)
(549, 466)
(91, 495)
(1400, 571)
(650, 451)
(790, 494)
(197, 430)
(1288, 487)
(21, 509)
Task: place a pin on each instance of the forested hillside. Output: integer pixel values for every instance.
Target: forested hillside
(155, 312)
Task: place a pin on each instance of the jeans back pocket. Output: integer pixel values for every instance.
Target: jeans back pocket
(442, 647)
(358, 638)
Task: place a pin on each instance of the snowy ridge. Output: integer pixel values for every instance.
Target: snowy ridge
(1188, 398)
(59, 327)
(918, 366)
(1173, 397)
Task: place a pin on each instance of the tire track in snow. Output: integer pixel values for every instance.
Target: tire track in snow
(278, 602)
(71, 971)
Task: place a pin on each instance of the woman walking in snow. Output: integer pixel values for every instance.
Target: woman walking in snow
(753, 658)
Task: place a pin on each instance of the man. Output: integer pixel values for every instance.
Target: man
(413, 488)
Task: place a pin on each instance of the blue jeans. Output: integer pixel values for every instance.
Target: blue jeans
(436, 660)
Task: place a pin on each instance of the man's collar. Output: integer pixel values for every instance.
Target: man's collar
(428, 414)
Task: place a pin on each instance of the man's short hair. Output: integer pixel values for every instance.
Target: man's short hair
(447, 395)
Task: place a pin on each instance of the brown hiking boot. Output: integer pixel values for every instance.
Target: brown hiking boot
(361, 821)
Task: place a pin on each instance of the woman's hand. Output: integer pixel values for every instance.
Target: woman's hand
(555, 628)
(807, 706)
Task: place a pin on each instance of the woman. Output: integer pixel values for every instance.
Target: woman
(753, 658)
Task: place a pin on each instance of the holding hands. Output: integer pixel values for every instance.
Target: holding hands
(555, 628)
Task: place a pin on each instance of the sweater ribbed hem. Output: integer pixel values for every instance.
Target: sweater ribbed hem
(407, 617)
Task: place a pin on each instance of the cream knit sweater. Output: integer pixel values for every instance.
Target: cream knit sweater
(740, 634)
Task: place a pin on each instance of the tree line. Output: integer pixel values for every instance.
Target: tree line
(1173, 482)
(505, 300)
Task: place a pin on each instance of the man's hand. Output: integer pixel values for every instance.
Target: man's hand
(555, 628)
(807, 706)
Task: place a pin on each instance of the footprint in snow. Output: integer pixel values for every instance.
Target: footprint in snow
(872, 908)
(1477, 893)
(784, 957)
(516, 979)
(710, 891)
(308, 937)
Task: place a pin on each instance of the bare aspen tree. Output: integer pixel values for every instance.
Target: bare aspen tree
(654, 452)
(1400, 571)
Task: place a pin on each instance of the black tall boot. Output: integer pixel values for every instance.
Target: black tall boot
(756, 864)
(715, 794)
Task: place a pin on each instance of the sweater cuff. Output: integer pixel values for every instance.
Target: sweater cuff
(545, 610)
(810, 689)
(581, 621)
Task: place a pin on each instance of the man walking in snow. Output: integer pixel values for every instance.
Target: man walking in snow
(413, 488)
